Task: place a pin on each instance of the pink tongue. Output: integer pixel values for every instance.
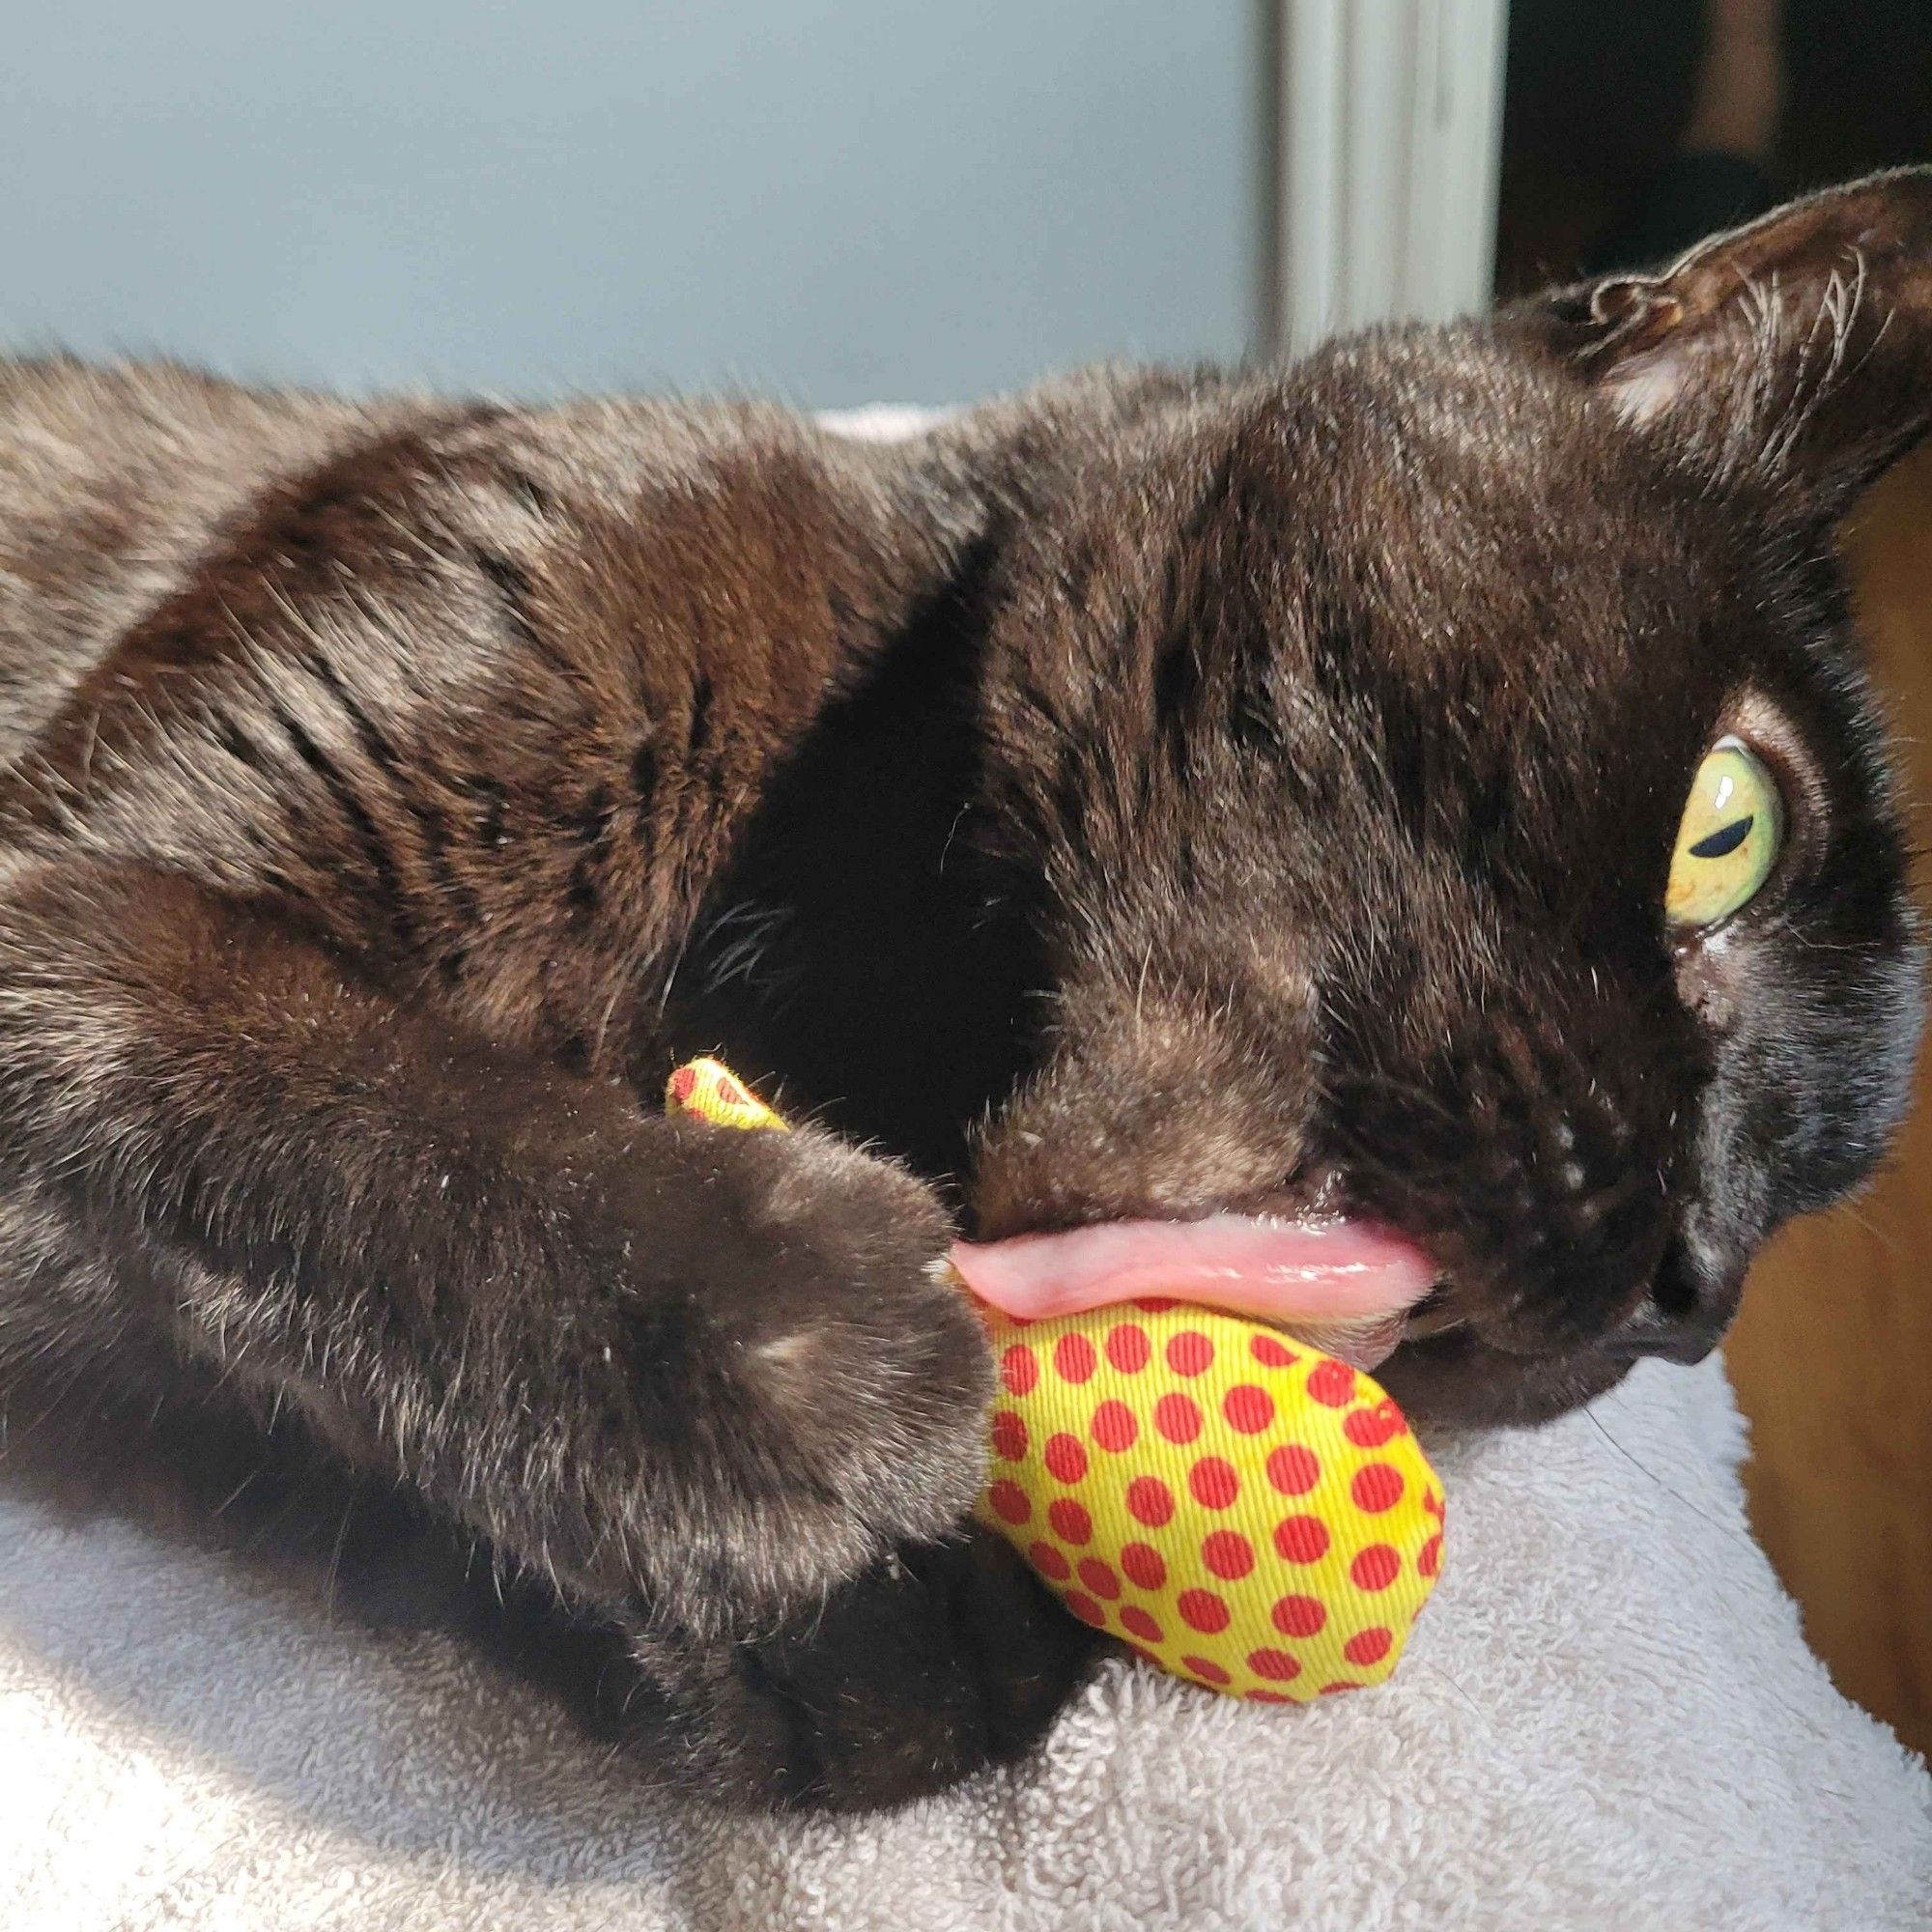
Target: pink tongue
(1342, 1284)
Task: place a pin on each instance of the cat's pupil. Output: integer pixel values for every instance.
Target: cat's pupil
(1726, 839)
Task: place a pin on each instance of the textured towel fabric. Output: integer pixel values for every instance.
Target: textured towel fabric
(1608, 1720)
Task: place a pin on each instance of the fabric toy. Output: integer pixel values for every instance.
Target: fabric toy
(1245, 1511)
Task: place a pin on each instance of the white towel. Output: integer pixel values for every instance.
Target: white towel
(1608, 1720)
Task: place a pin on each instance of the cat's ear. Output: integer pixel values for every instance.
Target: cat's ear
(1796, 349)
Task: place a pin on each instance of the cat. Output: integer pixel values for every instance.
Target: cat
(1164, 791)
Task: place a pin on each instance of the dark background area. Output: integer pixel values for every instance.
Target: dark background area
(1598, 97)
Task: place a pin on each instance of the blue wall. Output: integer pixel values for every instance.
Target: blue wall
(836, 202)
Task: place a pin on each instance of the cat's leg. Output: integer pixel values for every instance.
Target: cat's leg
(941, 1659)
(695, 1380)
(944, 1657)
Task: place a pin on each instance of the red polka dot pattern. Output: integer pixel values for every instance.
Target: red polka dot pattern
(1377, 1488)
(1214, 1483)
(1228, 1553)
(1190, 1352)
(1248, 1409)
(1294, 1469)
(1098, 1577)
(1069, 1520)
(1369, 1646)
(1065, 1458)
(1247, 1511)
(1201, 1611)
(1298, 1616)
(1049, 1561)
(1011, 1503)
(1371, 1428)
(1332, 1384)
(1376, 1567)
(1301, 1539)
(1280, 1665)
(1074, 1359)
(1178, 1417)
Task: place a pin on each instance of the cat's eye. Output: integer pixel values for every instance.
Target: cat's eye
(1731, 834)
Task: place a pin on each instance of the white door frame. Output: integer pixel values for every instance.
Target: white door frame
(1388, 135)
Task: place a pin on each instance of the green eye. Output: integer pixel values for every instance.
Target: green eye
(1732, 832)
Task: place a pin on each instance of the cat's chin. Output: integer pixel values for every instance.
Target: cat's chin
(1456, 1378)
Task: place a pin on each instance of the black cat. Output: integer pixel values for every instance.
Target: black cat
(1157, 794)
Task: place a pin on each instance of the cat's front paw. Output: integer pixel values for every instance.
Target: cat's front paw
(940, 1660)
(774, 1384)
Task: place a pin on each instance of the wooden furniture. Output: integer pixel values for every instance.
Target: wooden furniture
(1831, 1357)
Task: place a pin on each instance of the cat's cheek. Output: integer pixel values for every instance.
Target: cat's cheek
(1709, 979)
(1455, 1382)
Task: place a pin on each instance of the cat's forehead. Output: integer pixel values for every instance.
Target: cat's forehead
(1454, 519)
(1451, 458)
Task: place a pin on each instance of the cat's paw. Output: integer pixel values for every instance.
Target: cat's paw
(940, 1660)
(773, 1385)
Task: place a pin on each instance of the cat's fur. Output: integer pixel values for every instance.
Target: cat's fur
(1159, 792)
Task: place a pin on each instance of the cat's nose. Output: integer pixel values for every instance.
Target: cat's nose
(1684, 1316)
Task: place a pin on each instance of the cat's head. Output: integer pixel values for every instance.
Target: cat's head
(1354, 716)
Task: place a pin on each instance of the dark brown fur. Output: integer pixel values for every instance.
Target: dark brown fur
(1160, 792)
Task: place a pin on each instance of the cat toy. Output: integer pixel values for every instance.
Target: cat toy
(1245, 1511)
